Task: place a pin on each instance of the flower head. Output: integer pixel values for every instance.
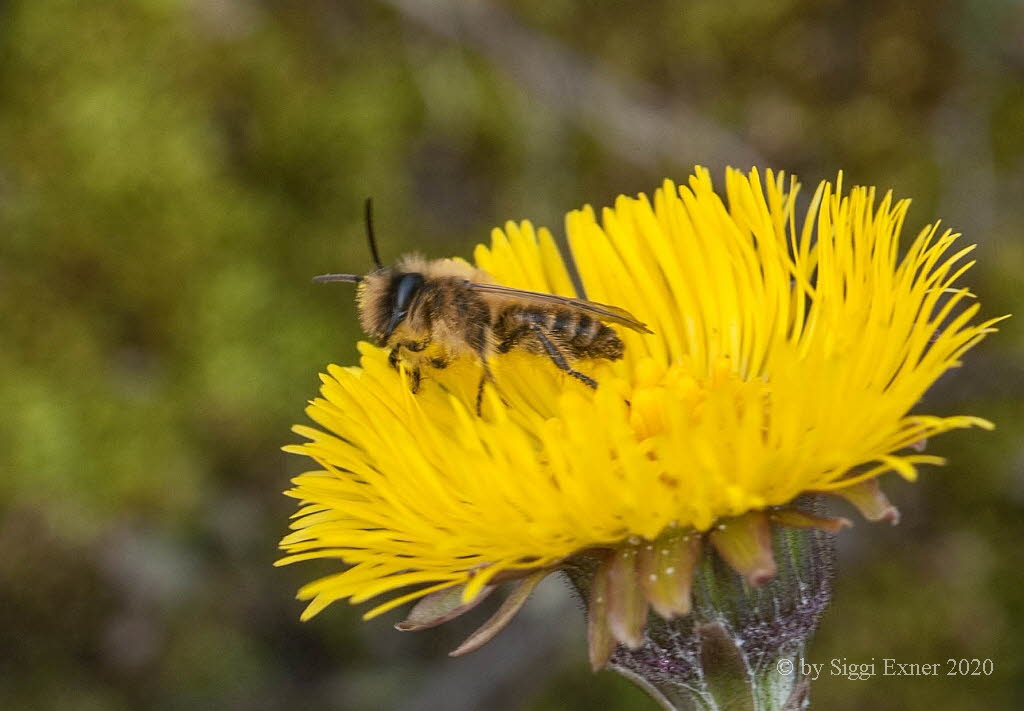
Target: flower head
(786, 357)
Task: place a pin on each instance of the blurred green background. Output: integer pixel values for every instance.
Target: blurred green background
(172, 174)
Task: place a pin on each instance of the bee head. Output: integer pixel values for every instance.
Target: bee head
(384, 298)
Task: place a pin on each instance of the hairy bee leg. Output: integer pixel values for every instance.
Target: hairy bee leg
(513, 339)
(480, 396)
(477, 339)
(559, 359)
(416, 346)
(414, 384)
(484, 378)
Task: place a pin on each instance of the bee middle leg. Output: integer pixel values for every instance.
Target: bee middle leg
(484, 377)
(558, 358)
(414, 373)
(477, 339)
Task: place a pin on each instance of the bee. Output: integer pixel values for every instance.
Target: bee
(430, 312)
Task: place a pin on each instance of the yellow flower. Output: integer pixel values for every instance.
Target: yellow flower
(785, 359)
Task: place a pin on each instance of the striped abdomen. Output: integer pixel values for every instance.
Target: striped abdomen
(575, 333)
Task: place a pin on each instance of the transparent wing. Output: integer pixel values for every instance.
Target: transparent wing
(602, 312)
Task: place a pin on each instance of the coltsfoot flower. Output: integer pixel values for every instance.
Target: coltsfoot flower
(787, 355)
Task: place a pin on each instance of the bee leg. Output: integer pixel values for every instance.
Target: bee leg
(558, 358)
(416, 346)
(480, 396)
(513, 339)
(414, 382)
(477, 339)
(484, 378)
(393, 357)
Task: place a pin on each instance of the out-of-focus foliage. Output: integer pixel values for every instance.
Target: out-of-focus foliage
(171, 175)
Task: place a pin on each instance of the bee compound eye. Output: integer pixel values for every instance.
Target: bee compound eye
(403, 289)
(407, 287)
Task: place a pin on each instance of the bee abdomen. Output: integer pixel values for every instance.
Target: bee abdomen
(586, 337)
(578, 335)
(604, 343)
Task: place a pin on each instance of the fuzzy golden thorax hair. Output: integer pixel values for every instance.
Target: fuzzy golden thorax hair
(387, 297)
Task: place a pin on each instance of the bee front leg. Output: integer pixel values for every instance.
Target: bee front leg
(414, 374)
(417, 346)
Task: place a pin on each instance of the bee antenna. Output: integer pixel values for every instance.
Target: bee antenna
(350, 278)
(369, 233)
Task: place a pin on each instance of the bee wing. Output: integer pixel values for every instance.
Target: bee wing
(603, 312)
